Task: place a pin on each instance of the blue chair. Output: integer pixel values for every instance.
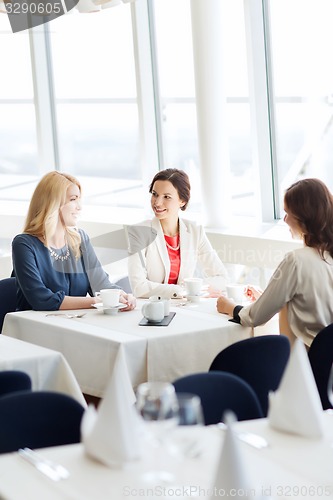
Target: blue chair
(220, 392)
(124, 284)
(7, 298)
(321, 358)
(38, 419)
(260, 361)
(13, 381)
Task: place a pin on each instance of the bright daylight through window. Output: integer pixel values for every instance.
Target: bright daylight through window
(111, 97)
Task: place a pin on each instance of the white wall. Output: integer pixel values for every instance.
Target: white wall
(262, 252)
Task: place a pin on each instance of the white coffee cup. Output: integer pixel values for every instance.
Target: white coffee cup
(110, 297)
(87, 6)
(166, 303)
(235, 291)
(193, 286)
(153, 311)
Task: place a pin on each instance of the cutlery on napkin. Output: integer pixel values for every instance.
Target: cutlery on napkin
(112, 434)
(296, 407)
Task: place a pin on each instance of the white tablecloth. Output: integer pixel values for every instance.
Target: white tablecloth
(48, 370)
(290, 467)
(90, 344)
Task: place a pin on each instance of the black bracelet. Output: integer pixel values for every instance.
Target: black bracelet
(235, 314)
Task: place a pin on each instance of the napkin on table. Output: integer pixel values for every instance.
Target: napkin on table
(231, 474)
(296, 407)
(112, 433)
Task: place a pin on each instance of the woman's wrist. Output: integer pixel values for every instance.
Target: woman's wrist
(95, 300)
(235, 313)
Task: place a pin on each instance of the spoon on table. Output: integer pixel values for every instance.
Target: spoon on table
(68, 315)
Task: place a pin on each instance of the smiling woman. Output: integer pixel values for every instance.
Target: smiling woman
(180, 248)
(54, 262)
(71, 209)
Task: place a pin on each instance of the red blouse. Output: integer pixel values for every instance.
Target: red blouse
(174, 256)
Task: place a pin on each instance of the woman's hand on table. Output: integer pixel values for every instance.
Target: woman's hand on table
(128, 299)
(213, 292)
(96, 300)
(225, 305)
(252, 292)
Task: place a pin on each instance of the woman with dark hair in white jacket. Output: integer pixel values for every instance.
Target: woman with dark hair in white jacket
(179, 248)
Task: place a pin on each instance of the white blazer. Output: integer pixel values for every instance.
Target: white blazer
(149, 269)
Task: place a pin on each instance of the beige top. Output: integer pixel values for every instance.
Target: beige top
(304, 283)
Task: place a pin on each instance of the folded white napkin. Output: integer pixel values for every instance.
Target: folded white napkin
(112, 433)
(296, 407)
(231, 473)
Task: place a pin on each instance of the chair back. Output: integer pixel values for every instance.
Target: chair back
(124, 284)
(13, 381)
(220, 392)
(321, 358)
(260, 361)
(7, 298)
(38, 419)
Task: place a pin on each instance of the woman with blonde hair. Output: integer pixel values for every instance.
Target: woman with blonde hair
(54, 262)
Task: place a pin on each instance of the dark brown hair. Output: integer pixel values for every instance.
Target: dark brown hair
(311, 203)
(180, 181)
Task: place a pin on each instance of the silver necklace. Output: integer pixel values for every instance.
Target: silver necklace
(58, 256)
(171, 247)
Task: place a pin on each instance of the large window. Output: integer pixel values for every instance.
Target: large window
(175, 76)
(95, 93)
(243, 170)
(111, 97)
(96, 106)
(302, 89)
(18, 138)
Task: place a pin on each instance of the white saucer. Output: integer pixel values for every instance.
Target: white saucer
(109, 310)
(201, 294)
(196, 298)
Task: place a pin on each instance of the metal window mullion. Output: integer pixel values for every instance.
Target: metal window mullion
(52, 98)
(145, 91)
(259, 105)
(271, 108)
(43, 99)
(156, 86)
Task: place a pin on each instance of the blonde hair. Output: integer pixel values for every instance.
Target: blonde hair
(43, 213)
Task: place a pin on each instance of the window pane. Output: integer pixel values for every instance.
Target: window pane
(98, 61)
(18, 139)
(176, 85)
(95, 91)
(177, 88)
(303, 88)
(18, 142)
(99, 139)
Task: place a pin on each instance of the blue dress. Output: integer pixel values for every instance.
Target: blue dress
(43, 282)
